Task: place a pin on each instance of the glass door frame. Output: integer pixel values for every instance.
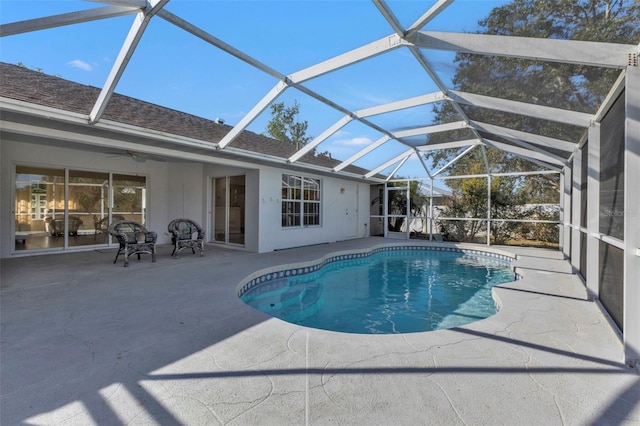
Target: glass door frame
(226, 215)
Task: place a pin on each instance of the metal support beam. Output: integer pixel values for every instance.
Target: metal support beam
(424, 165)
(528, 153)
(613, 94)
(65, 19)
(128, 47)
(389, 16)
(531, 156)
(631, 336)
(565, 212)
(203, 35)
(438, 7)
(534, 151)
(390, 163)
(593, 212)
(402, 104)
(349, 58)
(488, 209)
(447, 145)
(611, 55)
(484, 175)
(538, 111)
(485, 158)
(294, 80)
(385, 210)
(251, 115)
(431, 212)
(323, 136)
(576, 205)
(531, 173)
(450, 163)
(427, 130)
(517, 135)
(486, 165)
(395, 170)
(362, 153)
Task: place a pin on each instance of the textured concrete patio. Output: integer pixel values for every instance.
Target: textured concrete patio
(85, 341)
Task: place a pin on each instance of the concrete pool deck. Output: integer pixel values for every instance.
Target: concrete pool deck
(84, 341)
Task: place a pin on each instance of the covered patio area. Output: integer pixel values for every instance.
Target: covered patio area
(85, 341)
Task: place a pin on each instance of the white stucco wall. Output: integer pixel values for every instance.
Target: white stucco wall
(344, 212)
(186, 188)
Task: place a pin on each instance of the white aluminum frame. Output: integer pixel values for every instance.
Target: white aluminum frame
(535, 148)
(631, 336)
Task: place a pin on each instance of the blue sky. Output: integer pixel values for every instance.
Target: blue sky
(176, 70)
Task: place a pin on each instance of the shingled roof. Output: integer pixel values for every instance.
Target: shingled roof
(23, 84)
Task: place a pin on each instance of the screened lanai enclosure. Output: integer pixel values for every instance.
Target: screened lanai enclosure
(493, 122)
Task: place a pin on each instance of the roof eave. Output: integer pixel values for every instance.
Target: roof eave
(114, 127)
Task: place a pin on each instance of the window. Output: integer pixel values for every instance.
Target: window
(300, 201)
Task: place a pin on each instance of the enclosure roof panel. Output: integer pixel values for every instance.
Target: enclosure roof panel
(385, 82)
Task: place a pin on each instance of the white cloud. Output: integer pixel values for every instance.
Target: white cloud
(357, 141)
(77, 63)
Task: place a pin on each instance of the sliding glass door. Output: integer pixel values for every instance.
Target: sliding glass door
(130, 198)
(88, 205)
(61, 208)
(39, 207)
(229, 209)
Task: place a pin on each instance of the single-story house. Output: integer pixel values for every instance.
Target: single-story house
(152, 164)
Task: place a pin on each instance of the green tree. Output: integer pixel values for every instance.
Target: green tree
(284, 127)
(468, 200)
(565, 86)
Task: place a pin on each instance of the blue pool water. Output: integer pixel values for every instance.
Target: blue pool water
(400, 291)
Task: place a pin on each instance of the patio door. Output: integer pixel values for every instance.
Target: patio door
(350, 223)
(228, 209)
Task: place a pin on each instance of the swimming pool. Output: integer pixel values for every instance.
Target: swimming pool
(390, 289)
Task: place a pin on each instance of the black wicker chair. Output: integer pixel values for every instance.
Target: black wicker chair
(186, 233)
(133, 239)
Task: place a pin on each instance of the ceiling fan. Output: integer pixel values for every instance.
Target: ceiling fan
(134, 155)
